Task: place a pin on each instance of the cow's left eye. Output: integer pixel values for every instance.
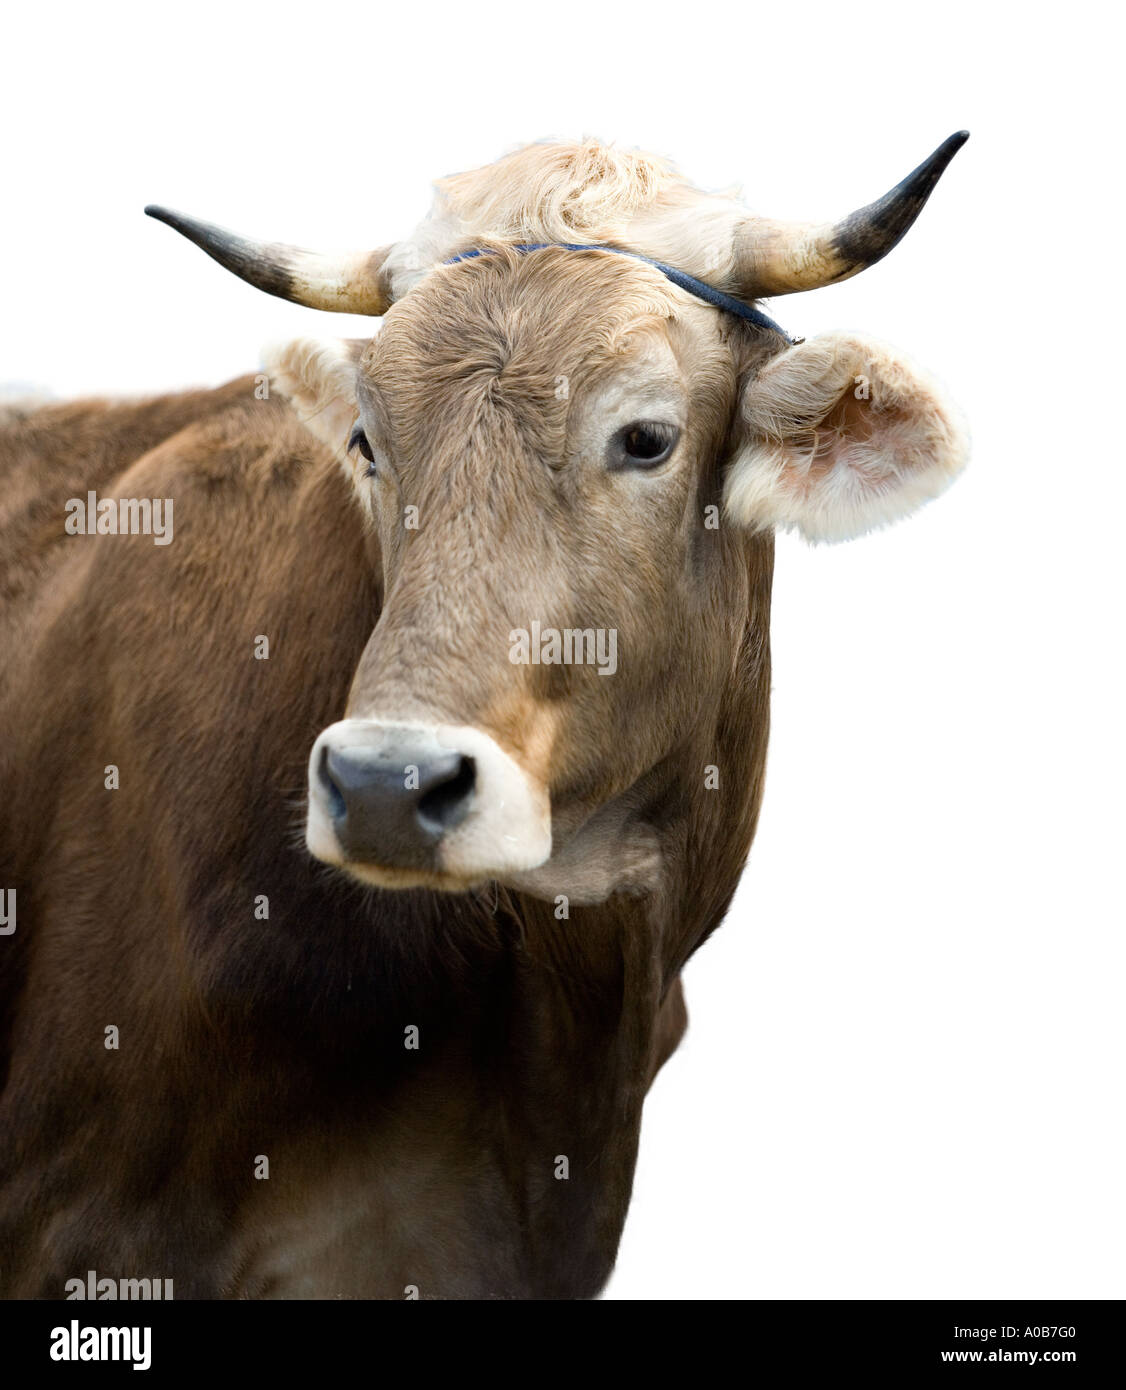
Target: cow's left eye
(359, 441)
(644, 444)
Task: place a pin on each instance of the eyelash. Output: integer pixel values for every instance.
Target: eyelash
(359, 440)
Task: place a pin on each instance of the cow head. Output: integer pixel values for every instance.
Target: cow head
(573, 465)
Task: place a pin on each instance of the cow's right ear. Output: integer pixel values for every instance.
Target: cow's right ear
(318, 378)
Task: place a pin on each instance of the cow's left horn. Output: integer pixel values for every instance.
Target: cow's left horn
(346, 284)
(780, 257)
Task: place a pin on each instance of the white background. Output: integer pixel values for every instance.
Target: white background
(903, 1075)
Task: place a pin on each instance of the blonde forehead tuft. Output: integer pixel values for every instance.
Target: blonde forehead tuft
(579, 191)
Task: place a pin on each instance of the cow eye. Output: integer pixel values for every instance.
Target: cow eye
(644, 444)
(359, 440)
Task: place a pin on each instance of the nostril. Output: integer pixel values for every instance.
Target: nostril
(447, 804)
(336, 806)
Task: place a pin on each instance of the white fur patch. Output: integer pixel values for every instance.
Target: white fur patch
(842, 435)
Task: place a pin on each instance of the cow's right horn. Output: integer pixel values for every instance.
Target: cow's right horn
(345, 284)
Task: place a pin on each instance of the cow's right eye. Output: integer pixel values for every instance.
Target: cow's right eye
(359, 440)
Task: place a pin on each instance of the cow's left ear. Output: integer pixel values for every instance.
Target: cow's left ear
(842, 435)
(318, 378)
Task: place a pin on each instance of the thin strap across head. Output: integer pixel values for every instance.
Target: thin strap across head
(708, 293)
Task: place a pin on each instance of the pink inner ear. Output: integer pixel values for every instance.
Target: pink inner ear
(850, 426)
(853, 418)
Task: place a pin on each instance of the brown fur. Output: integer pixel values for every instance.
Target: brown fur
(240, 1037)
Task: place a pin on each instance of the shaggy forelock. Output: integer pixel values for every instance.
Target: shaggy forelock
(584, 191)
(581, 192)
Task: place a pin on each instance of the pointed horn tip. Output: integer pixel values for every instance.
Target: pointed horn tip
(948, 149)
(921, 181)
(165, 215)
(190, 227)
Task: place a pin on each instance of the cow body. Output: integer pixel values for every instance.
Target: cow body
(349, 938)
(389, 1166)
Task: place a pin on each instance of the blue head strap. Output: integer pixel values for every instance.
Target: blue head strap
(708, 293)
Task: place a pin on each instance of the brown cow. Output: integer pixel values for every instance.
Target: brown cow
(484, 603)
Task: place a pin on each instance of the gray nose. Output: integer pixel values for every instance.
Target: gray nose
(393, 805)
